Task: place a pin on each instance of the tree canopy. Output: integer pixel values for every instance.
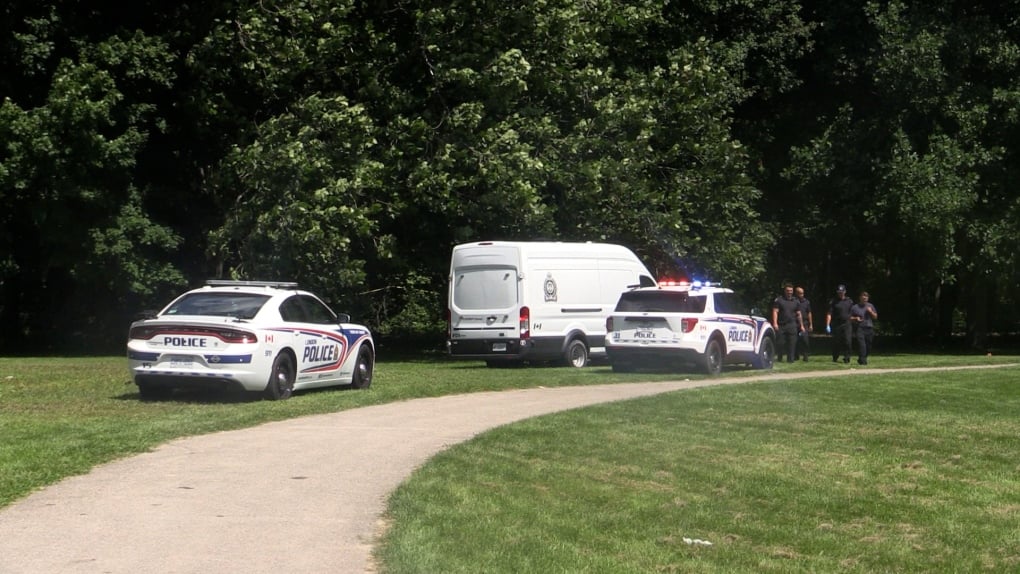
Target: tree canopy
(348, 145)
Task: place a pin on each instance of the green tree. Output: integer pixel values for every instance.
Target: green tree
(66, 164)
(908, 156)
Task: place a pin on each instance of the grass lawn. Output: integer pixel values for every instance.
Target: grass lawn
(911, 472)
(62, 416)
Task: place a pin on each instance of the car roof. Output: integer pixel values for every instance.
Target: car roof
(270, 288)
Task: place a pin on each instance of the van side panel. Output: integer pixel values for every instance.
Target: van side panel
(565, 297)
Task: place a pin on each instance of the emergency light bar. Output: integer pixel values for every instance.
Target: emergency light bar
(232, 283)
(694, 285)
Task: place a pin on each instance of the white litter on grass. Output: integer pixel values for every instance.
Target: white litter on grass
(696, 541)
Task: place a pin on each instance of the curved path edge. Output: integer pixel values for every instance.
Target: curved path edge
(301, 495)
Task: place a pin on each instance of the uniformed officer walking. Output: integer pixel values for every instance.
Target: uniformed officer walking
(787, 322)
(837, 322)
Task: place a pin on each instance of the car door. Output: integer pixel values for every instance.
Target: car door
(740, 328)
(321, 348)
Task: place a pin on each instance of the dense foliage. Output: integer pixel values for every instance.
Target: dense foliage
(349, 145)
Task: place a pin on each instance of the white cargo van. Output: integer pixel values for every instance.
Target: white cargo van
(515, 302)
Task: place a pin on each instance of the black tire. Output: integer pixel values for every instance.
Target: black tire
(281, 379)
(576, 354)
(623, 367)
(363, 368)
(766, 358)
(154, 392)
(712, 360)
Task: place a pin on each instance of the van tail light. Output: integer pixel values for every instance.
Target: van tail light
(525, 323)
(448, 316)
(687, 325)
(609, 324)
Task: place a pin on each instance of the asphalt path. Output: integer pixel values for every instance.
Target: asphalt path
(304, 495)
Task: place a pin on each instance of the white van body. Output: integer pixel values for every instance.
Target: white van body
(512, 302)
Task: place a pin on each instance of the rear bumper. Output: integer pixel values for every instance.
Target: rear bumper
(643, 355)
(501, 348)
(197, 377)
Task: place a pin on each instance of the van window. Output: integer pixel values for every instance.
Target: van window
(661, 302)
(485, 288)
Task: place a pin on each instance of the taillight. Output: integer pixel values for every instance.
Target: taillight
(525, 323)
(609, 324)
(143, 333)
(688, 324)
(448, 316)
(232, 336)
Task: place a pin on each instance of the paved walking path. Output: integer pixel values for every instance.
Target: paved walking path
(303, 495)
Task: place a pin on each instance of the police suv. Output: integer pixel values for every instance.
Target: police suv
(680, 323)
(268, 337)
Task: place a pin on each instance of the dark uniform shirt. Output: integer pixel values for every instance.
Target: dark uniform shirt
(840, 310)
(862, 312)
(804, 306)
(787, 310)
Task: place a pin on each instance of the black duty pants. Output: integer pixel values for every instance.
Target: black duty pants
(865, 340)
(842, 340)
(788, 341)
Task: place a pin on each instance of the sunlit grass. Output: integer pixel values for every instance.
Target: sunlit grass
(911, 472)
(62, 416)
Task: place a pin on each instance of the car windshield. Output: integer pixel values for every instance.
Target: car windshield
(661, 302)
(239, 305)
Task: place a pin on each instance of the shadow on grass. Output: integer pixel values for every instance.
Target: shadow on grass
(197, 396)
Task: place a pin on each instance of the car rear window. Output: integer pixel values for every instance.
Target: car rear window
(661, 302)
(239, 305)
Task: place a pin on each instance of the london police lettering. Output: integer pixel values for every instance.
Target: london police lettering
(738, 335)
(321, 353)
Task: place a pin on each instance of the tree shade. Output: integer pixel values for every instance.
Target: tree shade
(349, 145)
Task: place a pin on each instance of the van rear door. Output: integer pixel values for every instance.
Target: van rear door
(484, 298)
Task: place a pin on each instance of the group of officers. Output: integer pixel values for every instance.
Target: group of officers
(845, 320)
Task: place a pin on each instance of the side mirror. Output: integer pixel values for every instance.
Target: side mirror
(343, 318)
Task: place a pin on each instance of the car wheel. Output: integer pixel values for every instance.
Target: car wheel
(281, 380)
(711, 361)
(766, 354)
(364, 368)
(154, 392)
(576, 354)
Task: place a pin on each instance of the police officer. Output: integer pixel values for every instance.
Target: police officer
(863, 315)
(837, 322)
(806, 324)
(786, 321)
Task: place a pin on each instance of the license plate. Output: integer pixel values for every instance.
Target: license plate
(498, 347)
(182, 362)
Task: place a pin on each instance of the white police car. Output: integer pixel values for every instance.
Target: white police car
(268, 337)
(686, 323)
